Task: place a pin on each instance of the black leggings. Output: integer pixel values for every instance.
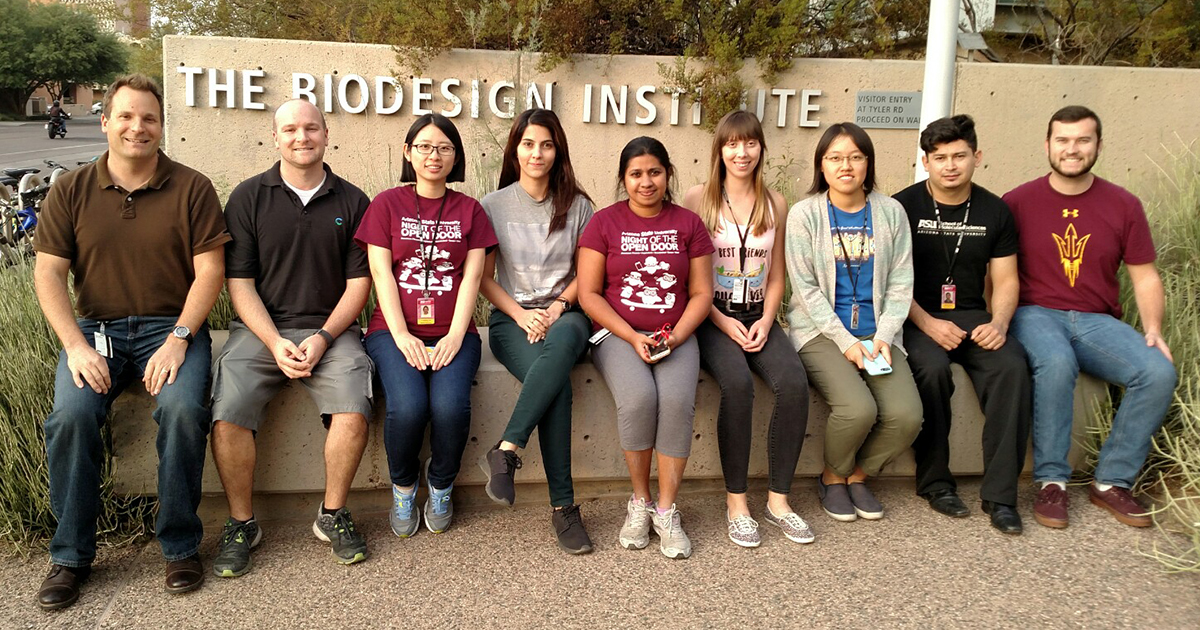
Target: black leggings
(779, 365)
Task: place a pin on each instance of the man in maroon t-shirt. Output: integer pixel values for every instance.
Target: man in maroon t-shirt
(1075, 231)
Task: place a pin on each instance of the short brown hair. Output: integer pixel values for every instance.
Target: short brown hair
(1073, 114)
(139, 82)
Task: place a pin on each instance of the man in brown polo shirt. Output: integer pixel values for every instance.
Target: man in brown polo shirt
(144, 239)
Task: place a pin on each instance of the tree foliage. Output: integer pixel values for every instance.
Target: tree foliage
(48, 45)
(1134, 32)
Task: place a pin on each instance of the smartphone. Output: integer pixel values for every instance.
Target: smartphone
(599, 336)
(876, 366)
(659, 352)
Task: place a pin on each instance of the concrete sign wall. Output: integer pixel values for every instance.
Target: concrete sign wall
(221, 92)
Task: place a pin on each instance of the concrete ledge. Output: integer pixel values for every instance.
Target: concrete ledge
(290, 444)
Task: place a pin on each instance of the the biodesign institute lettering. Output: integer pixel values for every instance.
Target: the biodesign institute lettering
(453, 97)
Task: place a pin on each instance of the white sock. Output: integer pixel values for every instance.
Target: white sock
(1103, 487)
(1060, 484)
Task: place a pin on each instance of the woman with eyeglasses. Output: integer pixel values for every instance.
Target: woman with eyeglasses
(645, 278)
(740, 336)
(426, 246)
(849, 258)
(536, 328)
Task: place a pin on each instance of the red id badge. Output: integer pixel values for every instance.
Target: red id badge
(949, 291)
(424, 311)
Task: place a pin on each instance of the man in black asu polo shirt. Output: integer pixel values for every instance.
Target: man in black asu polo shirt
(298, 283)
(963, 235)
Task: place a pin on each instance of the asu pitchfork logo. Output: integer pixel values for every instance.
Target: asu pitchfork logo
(1070, 248)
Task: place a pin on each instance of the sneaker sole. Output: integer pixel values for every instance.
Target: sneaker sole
(633, 545)
(870, 516)
(1053, 523)
(358, 557)
(487, 487)
(415, 529)
(1132, 521)
(795, 539)
(676, 554)
(745, 544)
(845, 518)
(576, 552)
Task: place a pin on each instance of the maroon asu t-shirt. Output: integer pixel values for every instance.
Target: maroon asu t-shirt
(391, 222)
(1073, 245)
(647, 261)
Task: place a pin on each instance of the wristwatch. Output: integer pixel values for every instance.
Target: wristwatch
(566, 304)
(184, 333)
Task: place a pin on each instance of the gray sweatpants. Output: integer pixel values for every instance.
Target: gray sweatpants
(655, 402)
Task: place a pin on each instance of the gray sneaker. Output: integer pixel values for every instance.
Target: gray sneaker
(865, 504)
(338, 530)
(792, 525)
(672, 540)
(439, 509)
(404, 517)
(635, 533)
(835, 499)
(233, 552)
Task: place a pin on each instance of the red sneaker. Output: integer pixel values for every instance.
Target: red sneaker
(1121, 503)
(1050, 506)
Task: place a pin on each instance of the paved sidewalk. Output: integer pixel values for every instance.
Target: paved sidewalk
(499, 568)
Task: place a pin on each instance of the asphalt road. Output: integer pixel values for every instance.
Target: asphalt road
(25, 144)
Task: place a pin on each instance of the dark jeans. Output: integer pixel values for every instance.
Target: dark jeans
(544, 368)
(419, 398)
(75, 450)
(779, 365)
(1001, 380)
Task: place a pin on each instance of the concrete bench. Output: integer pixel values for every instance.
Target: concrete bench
(290, 444)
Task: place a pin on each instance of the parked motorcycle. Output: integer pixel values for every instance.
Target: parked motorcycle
(58, 126)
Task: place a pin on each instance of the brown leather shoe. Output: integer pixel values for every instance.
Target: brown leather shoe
(1121, 503)
(61, 587)
(185, 575)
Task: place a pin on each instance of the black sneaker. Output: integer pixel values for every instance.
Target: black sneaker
(568, 526)
(499, 466)
(233, 553)
(338, 529)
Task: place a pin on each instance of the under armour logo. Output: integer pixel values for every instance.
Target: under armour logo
(1074, 214)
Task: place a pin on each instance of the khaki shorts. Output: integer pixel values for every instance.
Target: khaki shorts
(246, 378)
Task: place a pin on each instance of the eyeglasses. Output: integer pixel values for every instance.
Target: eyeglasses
(855, 159)
(442, 149)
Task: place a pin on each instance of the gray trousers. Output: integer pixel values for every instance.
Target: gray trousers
(656, 402)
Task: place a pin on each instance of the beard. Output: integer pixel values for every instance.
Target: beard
(1085, 167)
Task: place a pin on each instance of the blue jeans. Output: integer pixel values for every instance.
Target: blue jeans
(1061, 343)
(75, 451)
(417, 398)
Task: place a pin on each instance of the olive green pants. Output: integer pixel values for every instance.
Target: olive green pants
(872, 418)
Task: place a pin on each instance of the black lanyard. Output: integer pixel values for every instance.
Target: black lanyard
(427, 258)
(937, 213)
(842, 244)
(742, 251)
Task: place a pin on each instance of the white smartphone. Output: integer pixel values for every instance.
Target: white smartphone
(876, 366)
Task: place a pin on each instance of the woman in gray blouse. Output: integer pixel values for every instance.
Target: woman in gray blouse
(536, 328)
(849, 258)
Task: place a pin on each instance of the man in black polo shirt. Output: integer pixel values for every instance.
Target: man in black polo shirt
(298, 283)
(963, 235)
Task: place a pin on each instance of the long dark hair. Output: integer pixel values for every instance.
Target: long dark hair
(645, 145)
(564, 188)
(861, 140)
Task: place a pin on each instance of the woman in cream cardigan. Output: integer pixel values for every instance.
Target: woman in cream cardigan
(849, 258)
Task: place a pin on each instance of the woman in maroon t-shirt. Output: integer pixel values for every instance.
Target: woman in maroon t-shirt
(645, 275)
(426, 246)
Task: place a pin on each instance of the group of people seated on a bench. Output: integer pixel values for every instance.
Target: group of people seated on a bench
(886, 293)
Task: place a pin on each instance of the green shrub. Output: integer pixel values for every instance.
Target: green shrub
(28, 359)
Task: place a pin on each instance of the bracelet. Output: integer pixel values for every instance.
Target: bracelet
(325, 335)
(566, 304)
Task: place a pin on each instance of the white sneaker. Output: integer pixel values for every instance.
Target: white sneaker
(743, 531)
(672, 540)
(792, 525)
(635, 533)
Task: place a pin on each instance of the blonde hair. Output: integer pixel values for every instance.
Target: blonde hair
(736, 125)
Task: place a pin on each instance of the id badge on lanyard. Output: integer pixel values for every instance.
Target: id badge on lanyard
(103, 346)
(425, 311)
(949, 295)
